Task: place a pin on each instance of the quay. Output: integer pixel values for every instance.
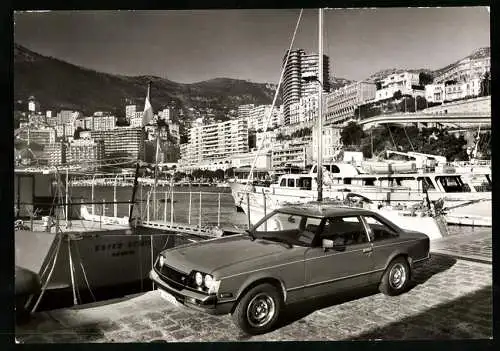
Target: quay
(451, 299)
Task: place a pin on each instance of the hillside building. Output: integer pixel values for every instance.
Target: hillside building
(215, 142)
(342, 103)
(121, 141)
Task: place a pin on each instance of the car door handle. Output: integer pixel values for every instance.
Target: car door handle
(367, 250)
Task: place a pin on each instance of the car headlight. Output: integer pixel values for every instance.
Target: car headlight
(198, 278)
(206, 282)
(209, 280)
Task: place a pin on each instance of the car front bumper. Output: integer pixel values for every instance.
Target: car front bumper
(198, 301)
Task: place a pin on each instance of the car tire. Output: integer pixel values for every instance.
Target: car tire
(258, 310)
(396, 277)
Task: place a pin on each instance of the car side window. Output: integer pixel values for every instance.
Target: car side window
(348, 230)
(380, 230)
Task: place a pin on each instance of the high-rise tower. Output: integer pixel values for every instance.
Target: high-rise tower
(301, 64)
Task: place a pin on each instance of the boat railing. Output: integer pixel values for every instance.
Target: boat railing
(160, 205)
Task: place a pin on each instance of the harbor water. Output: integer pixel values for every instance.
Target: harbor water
(214, 200)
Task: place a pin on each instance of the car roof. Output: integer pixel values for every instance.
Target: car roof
(316, 209)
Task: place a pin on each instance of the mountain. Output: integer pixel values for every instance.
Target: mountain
(60, 85)
(336, 83)
(385, 72)
(478, 53)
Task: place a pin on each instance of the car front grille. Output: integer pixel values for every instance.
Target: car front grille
(175, 278)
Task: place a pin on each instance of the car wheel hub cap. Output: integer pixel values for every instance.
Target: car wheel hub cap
(397, 276)
(261, 310)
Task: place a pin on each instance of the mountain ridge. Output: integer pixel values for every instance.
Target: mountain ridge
(58, 84)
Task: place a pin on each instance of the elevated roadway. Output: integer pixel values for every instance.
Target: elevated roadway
(452, 119)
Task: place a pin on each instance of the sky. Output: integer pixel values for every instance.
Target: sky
(190, 46)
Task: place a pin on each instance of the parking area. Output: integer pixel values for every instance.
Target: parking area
(451, 299)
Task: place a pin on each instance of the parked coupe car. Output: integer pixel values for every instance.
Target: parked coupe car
(292, 254)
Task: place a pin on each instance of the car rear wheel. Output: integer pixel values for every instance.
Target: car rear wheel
(396, 277)
(258, 310)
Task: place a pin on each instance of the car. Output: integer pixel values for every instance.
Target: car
(293, 254)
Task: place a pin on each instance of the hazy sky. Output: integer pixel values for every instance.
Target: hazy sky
(189, 46)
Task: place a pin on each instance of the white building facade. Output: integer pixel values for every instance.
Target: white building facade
(403, 82)
(342, 103)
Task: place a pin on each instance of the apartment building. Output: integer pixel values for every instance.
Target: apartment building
(136, 120)
(121, 141)
(295, 152)
(301, 64)
(83, 151)
(258, 115)
(33, 105)
(56, 153)
(215, 142)
(403, 82)
(244, 111)
(305, 110)
(265, 140)
(103, 122)
(41, 136)
(439, 93)
(130, 111)
(341, 103)
(66, 116)
(168, 113)
(260, 160)
(331, 143)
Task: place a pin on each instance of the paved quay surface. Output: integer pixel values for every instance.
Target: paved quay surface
(475, 246)
(452, 299)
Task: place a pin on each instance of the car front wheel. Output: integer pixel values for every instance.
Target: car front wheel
(258, 310)
(396, 277)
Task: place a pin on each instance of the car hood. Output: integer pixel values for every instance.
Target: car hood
(212, 255)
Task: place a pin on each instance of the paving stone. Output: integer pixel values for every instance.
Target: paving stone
(150, 335)
(453, 300)
(180, 334)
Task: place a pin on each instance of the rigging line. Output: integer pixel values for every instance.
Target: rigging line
(275, 97)
(72, 273)
(404, 128)
(44, 288)
(389, 129)
(83, 271)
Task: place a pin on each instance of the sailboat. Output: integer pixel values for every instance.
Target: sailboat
(78, 257)
(257, 202)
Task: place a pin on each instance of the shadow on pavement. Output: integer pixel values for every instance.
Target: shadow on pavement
(294, 312)
(468, 317)
(438, 263)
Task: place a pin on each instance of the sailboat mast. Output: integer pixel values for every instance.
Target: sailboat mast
(320, 107)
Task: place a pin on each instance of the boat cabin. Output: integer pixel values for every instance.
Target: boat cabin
(36, 192)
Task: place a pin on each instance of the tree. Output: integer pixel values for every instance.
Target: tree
(352, 134)
(425, 78)
(397, 95)
(219, 174)
(485, 85)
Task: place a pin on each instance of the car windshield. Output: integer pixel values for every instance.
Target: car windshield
(290, 228)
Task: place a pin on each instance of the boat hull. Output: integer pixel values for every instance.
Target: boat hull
(100, 259)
